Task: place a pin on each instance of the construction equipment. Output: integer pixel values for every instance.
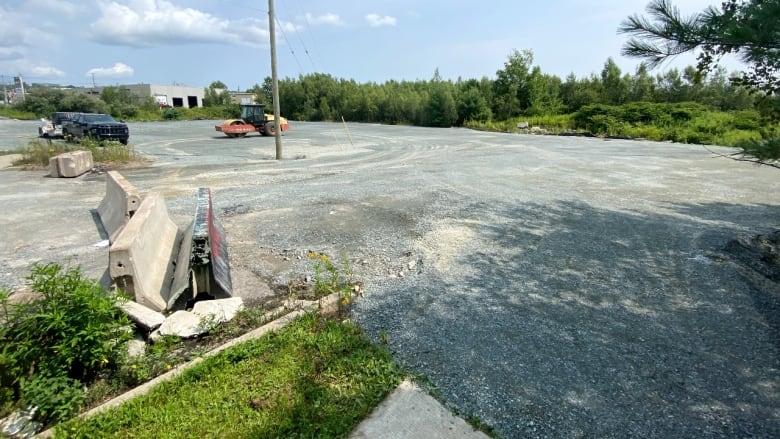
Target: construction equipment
(253, 119)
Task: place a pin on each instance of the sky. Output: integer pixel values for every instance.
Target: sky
(195, 42)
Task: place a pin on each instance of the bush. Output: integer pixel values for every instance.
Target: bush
(170, 114)
(71, 331)
(55, 398)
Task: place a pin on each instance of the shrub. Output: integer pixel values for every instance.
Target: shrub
(71, 331)
(170, 114)
(55, 398)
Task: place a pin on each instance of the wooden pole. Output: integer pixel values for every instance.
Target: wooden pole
(275, 79)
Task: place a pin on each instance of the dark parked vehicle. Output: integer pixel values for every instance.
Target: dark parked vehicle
(97, 126)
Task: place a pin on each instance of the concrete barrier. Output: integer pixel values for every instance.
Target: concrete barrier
(140, 260)
(70, 164)
(120, 203)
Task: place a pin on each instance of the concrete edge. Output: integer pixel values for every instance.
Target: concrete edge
(410, 412)
(301, 307)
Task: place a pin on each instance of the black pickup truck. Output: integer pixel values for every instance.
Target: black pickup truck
(97, 126)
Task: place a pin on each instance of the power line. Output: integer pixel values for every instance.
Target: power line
(308, 30)
(305, 49)
(300, 68)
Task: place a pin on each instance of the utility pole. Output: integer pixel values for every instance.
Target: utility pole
(274, 79)
(5, 92)
(21, 85)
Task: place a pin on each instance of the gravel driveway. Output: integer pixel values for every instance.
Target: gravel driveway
(550, 286)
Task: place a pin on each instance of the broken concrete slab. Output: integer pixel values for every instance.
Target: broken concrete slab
(70, 164)
(219, 310)
(183, 324)
(141, 258)
(119, 204)
(147, 319)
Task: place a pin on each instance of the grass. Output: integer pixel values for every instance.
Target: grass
(314, 378)
(38, 152)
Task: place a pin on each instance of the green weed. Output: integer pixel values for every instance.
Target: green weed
(332, 277)
(38, 152)
(70, 332)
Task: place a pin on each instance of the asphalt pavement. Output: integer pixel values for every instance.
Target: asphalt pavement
(549, 286)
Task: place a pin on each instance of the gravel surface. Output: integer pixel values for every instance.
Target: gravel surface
(550, 286)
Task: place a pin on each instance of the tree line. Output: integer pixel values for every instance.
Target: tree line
(518, 89)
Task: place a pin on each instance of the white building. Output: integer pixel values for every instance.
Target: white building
(165, 95)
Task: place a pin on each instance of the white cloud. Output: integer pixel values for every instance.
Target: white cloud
(118, 70)
(375, 20)
(45, 72)
(329, 19)
(152, 23)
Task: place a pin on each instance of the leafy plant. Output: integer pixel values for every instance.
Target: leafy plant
(55, 398)
(332, 277)
(71, 331)
(170, 114)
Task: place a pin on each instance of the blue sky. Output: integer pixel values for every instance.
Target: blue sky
(194, 42)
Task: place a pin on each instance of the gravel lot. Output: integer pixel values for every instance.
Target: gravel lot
(550, 286)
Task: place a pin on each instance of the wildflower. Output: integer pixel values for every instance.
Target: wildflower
(167, 367)
(133, 366)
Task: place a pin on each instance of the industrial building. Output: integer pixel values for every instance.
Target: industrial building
(165, 95)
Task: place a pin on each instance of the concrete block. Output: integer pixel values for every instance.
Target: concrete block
(120, 203)
(183, 324)
(141, 258)
(144, 317)
(70, 164)
(219, 310)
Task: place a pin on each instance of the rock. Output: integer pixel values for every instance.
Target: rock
(182, 324)
(411, 264)
(146, 318)
(222, 310)
(136, 348)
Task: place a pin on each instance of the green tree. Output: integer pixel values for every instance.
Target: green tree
(543, 93)
(472, 104)
(642, 86)
(42, 101)
(511, 84)
(216, 94)
(614, 86)
(748, 28)
(83, 103)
